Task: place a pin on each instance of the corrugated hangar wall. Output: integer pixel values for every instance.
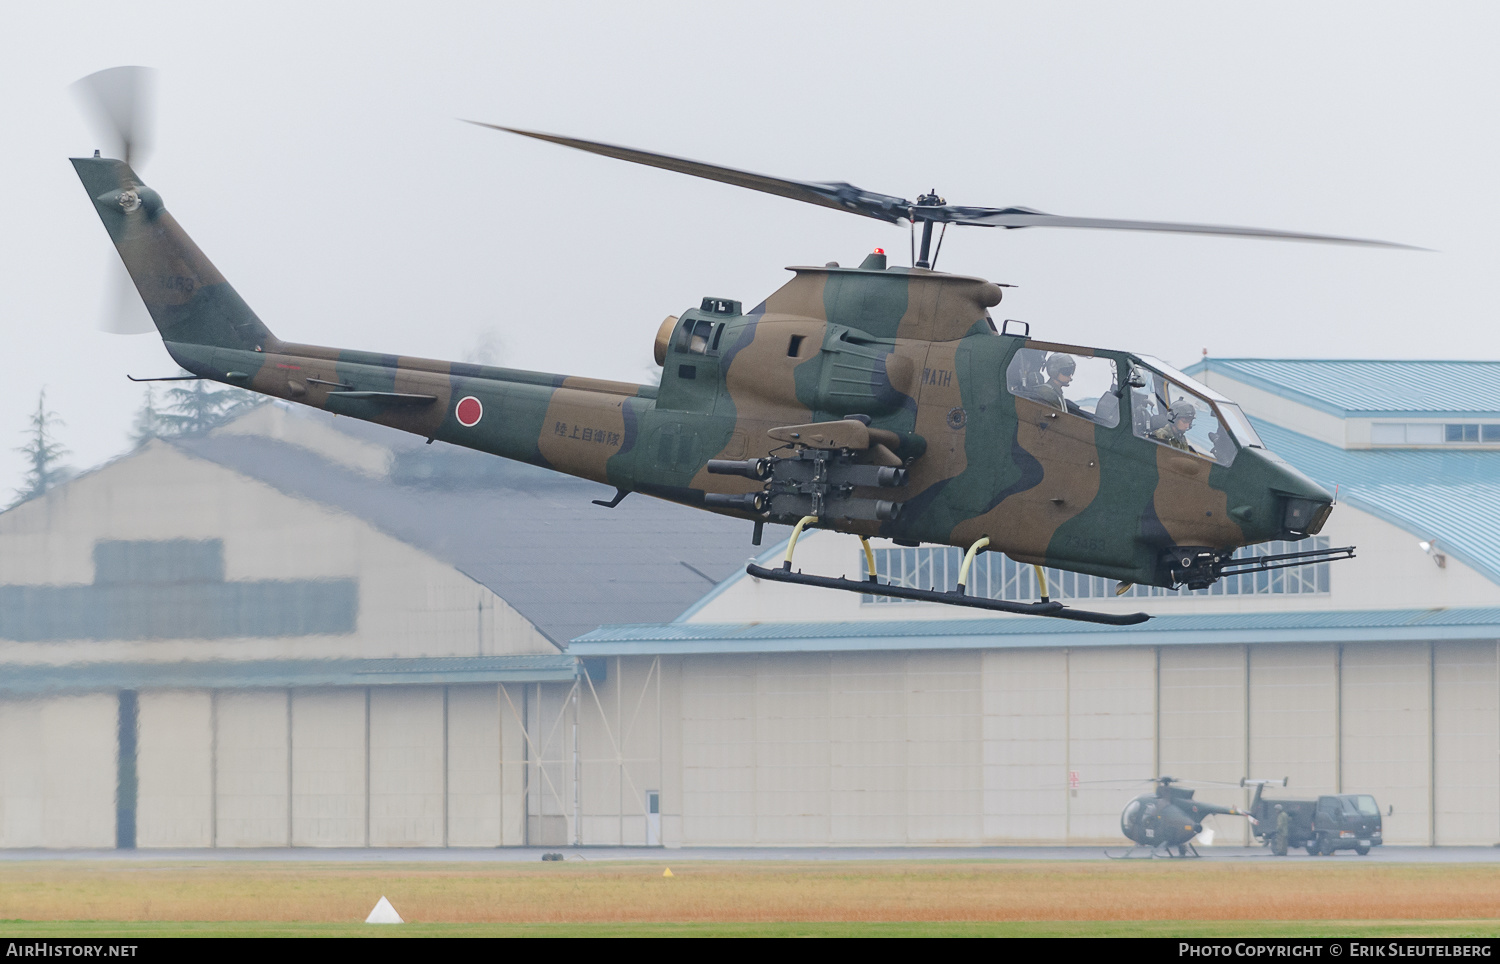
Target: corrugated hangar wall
(394, 766)
(958, 747)
(795, 750)
(978, 747)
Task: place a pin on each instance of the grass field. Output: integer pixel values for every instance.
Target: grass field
(897, 898)
(1174, 929)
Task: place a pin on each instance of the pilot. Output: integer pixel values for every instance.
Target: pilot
(1283, 825)
(1179, 421)
(1060, 369)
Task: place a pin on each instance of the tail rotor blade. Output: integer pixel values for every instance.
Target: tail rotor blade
(124, 312)
(120, 102)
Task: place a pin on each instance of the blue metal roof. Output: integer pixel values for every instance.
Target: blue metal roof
(1015, 632)
(278, 673)
(1361, 388)
(1450, 496)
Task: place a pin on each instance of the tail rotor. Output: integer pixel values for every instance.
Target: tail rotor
(121, 104)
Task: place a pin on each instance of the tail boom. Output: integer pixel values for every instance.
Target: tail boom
(572, 425)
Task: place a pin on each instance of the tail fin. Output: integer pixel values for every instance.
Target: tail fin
(188, 299)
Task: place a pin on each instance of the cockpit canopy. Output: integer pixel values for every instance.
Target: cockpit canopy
(1160, 397)
(1165, 406)
(1079, 384)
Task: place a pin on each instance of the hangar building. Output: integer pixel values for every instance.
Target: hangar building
(295, 634)
(301, 631)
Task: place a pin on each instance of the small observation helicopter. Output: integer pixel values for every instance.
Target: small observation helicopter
(1170, 818)
(876, 400)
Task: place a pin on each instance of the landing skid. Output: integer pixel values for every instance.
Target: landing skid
(1154, 853)
(1051, 609)
(958, 597)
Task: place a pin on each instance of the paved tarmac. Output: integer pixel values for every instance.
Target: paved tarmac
(1391, 854)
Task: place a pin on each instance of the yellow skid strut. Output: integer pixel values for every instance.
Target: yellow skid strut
(791, 545)
(963, 571)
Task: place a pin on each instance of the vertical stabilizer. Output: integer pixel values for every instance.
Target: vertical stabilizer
(188, 299)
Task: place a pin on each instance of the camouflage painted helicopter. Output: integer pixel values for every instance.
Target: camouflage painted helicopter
(876, 400)
(1169, 817)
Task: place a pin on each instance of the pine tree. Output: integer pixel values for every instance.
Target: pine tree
(193, 411)
(148, 421)
(487, 349)
(43, 453)
(240, 402)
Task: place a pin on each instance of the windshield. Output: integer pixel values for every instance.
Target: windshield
(1130, 820)
(1184, 380)
(1234, 419)
(1175, 411)
(1362, 805)
(1239, 425)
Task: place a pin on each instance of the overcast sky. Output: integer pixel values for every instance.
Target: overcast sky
(314, 153)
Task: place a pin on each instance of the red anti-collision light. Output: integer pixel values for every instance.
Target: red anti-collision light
(880, 250)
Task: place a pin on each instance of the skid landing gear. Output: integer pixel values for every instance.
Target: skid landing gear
(1152, 853)
(957, 597)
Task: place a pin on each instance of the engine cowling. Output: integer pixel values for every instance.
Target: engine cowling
(863, 374)
(664, 338)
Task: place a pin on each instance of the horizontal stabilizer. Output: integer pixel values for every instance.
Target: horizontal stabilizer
(388, 398)
(373, 405)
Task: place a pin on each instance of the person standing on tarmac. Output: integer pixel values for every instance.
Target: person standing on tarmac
(1283, 825)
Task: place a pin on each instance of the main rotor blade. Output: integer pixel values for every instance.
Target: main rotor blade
(828, 194)
(1018, 217)
(120, 101)
(884, 207)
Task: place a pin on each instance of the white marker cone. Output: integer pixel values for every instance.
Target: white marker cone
(384, 913)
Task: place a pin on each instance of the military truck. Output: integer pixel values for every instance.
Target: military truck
(1338, 821)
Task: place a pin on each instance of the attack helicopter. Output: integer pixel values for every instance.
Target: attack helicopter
(876, 400)
(1169, 818)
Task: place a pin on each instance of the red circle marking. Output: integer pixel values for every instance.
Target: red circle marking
(469, 411)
